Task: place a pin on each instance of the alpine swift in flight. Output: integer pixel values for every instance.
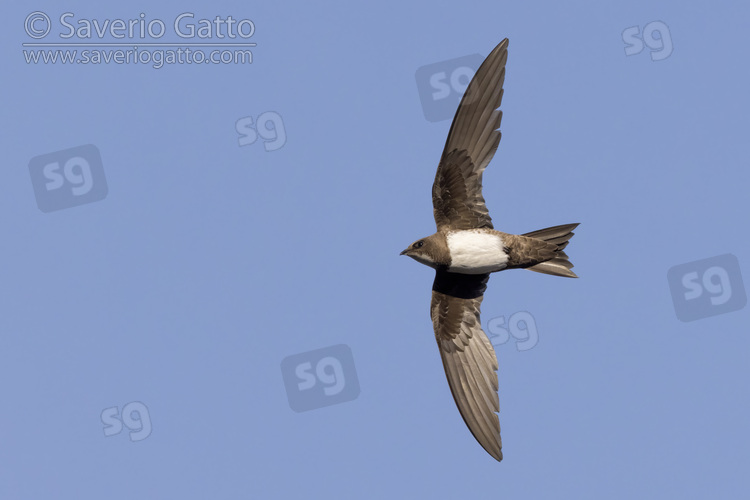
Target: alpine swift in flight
(466, 249)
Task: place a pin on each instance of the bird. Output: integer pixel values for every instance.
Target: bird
(466, 249)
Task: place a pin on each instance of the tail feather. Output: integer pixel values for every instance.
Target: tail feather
(555, 234)
(560, 236)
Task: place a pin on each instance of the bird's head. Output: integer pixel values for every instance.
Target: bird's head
(431, 251)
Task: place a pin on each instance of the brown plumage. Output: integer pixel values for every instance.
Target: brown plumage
(466, 249)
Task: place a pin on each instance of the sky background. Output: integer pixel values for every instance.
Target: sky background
(151, 335)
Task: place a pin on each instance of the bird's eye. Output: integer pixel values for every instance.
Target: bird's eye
(418, 244)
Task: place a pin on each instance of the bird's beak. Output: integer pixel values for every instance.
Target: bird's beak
(404, 252)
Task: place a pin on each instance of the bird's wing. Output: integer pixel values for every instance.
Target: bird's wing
(468, 357)
(472, 141)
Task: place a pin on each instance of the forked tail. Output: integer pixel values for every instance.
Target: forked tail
(559, 265)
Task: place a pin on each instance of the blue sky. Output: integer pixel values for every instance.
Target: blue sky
(174, 295)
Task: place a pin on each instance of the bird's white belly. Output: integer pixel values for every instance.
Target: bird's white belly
(476, 252)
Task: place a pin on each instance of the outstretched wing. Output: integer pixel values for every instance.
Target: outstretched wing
(468, 357)
(472, 141)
